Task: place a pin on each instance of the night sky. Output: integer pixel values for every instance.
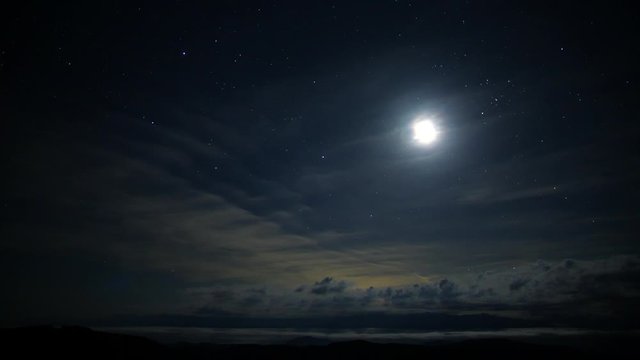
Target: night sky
(211, 163)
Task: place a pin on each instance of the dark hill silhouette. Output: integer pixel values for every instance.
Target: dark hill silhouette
(308, 341)
(76, 343)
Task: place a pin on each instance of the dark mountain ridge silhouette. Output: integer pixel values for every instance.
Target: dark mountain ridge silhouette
(78, 342)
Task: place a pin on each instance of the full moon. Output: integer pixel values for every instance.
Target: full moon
(424, 132)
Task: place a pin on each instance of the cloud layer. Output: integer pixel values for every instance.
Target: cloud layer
(569, 291)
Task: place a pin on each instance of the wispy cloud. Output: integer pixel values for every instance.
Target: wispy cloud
(489, 195)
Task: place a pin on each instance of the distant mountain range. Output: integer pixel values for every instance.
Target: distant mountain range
(421, 321)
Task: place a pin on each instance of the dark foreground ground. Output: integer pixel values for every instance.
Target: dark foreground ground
(76, 342)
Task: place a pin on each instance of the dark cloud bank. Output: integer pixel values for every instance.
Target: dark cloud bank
(588, 294)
